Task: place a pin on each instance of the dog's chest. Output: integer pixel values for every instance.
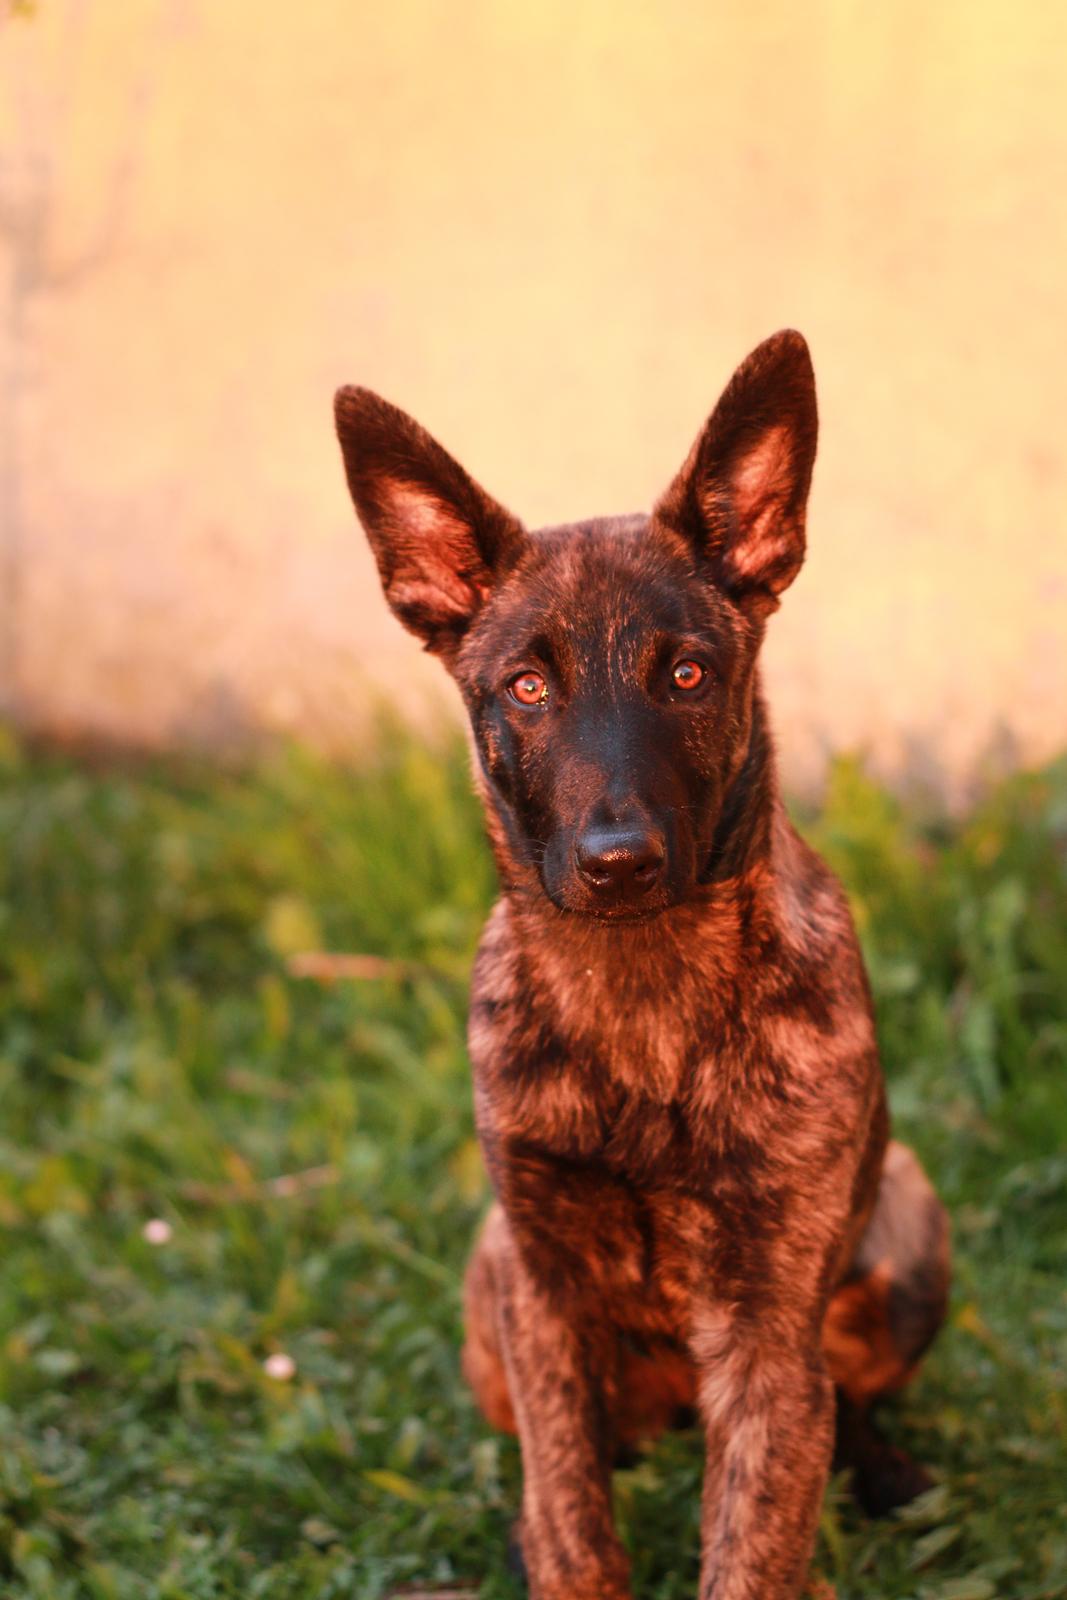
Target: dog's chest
(634, 1195)
(634, 1205)
(642, 1023)
(620, 1067)
(629, 1130)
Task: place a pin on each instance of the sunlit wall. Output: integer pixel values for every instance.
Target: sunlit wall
(548, 230)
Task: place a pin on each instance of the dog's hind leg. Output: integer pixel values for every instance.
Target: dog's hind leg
(483, 1363)
(881, 1320)
(657, 1391)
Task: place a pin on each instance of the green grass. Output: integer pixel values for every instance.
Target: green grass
(158, 1061)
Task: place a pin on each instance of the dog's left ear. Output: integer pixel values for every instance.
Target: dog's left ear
(441, 542)
(741, 497)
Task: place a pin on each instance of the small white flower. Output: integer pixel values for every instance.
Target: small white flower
(157, 1231)
(279, 1366)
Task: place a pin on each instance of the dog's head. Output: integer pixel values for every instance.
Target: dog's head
(609, 666)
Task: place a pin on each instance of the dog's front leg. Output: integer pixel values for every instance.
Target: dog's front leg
(768, 1407)
(561, 1379)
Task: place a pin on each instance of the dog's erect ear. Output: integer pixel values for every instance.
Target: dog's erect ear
(439, 540)
(740, 499)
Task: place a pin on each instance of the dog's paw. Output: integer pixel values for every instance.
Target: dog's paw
(891, 1479)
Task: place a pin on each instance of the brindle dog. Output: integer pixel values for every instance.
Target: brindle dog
(677, 1084)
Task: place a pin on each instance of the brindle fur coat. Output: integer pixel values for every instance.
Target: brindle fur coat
(677, 1085)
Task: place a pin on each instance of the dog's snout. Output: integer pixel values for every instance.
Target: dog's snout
(623, 862)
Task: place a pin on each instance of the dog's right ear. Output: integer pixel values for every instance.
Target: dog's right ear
(440, 541)
(740, 499)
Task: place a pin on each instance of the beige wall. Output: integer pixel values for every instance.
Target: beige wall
(549, 230)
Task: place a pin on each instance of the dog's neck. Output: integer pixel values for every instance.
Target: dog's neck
(744, 831)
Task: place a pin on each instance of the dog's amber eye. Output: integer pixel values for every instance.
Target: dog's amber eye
(687, 675)
(529, 689)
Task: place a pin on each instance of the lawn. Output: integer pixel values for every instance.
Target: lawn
(235, 1202)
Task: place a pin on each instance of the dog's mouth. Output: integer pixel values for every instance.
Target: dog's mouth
(606, 912)
(625, 916)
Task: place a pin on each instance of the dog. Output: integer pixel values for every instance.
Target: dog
(678, 1096)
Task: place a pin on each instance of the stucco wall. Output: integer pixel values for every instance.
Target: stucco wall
(549, 231)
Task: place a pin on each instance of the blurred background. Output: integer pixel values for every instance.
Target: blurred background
(550, 232)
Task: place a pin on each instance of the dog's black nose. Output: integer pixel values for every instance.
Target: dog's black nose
(620, 861)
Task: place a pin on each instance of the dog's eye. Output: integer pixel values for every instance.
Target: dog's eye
(687, 675)
(529, 689)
